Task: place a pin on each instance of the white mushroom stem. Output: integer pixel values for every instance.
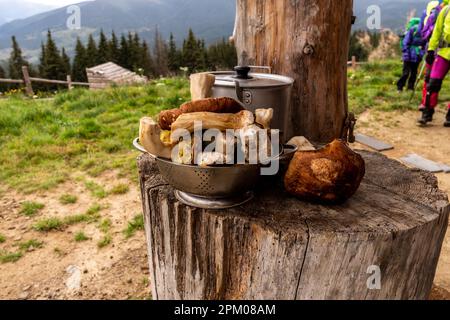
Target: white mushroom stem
(149, 137)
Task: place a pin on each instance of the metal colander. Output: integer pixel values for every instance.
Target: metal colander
(213, 182)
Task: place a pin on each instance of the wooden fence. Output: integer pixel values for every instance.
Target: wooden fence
(27, 81)
(354, 64)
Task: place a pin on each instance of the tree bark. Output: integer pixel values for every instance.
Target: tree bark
(277, 247)
(307, 40)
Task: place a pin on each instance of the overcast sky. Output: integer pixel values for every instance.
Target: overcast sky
(58, 3)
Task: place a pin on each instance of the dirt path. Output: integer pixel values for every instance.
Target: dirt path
(63, 268)
(432, 142)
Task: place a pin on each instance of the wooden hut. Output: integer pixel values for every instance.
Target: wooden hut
(104, 75)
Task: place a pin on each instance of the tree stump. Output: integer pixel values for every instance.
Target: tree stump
(307, 40)
(277, 247)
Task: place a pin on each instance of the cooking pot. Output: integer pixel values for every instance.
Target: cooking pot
(256, 91)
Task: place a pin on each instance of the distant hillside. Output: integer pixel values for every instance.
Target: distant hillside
(20, 10)
(210, 20)
(394, 13)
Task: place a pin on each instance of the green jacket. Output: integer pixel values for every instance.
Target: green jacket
(441, 32)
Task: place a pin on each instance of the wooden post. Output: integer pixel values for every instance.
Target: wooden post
(69, 82)
(307, 40)
(384, 243)
(27, 81)
(354, 65)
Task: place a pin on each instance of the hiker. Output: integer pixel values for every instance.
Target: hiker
(426, 28)
(439, 57)
(412, 55)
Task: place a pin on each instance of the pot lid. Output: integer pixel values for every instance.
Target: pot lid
(246, 79)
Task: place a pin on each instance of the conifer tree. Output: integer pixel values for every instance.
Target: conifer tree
(79, 63)
(134, 52)
(124, 53)
(65, 61)
(103, 53)
(191, 53)
(173, 56)
(91, 52)
(16, 61)
(147, 60)
(42, 61)
(114, 48)
(222, 56)
(53, 67)
(161, 55)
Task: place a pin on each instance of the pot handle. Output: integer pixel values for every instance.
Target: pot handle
(269, 69)
(239, 91)
(140, 148)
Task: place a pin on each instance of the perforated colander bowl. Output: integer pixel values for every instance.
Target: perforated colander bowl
(212, 181)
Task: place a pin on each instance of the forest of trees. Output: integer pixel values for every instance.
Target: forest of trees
(165, 58)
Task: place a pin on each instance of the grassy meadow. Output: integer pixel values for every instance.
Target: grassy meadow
(81, 133)
(373, 86)
(77, 134)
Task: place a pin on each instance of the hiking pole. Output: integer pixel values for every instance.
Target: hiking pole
(422, 69)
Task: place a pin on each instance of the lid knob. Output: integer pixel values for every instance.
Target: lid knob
(242, 72)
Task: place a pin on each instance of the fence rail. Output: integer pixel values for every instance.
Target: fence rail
(354, 64)
(27, 80)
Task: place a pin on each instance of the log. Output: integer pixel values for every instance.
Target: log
(277, 247)
(307, 40)
(2, 80)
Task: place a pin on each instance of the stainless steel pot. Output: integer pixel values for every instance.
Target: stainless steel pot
(258, 90)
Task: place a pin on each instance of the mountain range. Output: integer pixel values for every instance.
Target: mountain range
(394, 13)
(210, 20)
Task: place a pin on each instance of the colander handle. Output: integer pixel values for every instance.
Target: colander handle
(140, 148)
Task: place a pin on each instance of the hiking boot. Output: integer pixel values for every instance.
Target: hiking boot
(447, 119)
(427, 116)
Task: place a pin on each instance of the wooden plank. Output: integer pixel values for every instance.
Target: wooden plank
(11, 81)
(48, 81)
(422, 163)
(373, 143)
(27, 81)
(69, 82)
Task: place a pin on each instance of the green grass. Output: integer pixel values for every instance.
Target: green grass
(48, 224)
(96, 190)
(105, 241)
(373, 86)
(68, 199)
(6, 257)
(105, 225)
(137, 223)
(120, 189)
(29, 208)
(94, 209)
(23, 247)
(51, 224)
(2, 238)
(35, 244)
(81, 236)
(44, 143)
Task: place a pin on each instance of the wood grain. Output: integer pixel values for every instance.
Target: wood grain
(277, 247)
(308, 41)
